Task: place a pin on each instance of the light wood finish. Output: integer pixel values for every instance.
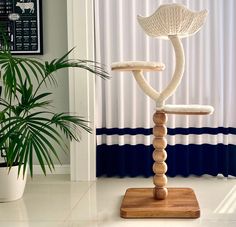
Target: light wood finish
(159, 143)
(159, 155)
(160, 118)
(161, 192)
(160, 181)
(139, 203)
(159, 167)
(159, 130)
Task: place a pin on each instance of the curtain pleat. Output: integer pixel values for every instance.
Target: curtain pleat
(196, 144)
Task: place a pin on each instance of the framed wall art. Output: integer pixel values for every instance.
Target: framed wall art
(21, 22)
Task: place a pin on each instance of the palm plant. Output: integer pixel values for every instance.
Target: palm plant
(28, 125)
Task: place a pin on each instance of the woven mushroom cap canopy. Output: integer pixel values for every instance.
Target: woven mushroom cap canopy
(172, 19)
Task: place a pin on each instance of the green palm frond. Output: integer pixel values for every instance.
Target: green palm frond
(28, 125)
(34, 134)
(64, 62)
(17, 70)
(71, 125)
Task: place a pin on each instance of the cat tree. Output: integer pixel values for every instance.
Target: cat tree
(173, 22)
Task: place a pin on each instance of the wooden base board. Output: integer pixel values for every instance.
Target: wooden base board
(180, 203)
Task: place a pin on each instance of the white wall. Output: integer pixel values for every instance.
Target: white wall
(55, 45)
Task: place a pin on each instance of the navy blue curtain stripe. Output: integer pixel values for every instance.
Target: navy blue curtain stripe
(171, 131)
(136, 160)
(185, 160)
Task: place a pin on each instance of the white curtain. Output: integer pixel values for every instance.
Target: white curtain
(209, 76)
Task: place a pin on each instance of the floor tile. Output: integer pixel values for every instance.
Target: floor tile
(47, 198)
(33, 224)
(54, 201)
(101, 203)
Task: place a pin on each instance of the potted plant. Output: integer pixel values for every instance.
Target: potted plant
(28, 125)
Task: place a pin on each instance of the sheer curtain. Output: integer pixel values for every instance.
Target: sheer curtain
(196, 144)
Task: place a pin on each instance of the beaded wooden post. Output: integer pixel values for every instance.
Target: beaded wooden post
(159, 155)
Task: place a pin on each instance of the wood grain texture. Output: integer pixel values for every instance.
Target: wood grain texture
(159, 142)
(159, 118)
(159, 130)
(159, 167)
(159, 155)
(160, 180)
(180, 203)
(160, 193)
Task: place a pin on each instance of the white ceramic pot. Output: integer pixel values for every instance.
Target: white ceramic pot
(12, 187)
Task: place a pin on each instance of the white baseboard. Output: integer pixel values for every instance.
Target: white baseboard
(59, 169)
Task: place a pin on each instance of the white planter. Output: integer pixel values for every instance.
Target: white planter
(12, 187)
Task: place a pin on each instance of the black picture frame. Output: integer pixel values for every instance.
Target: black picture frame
(21, 21)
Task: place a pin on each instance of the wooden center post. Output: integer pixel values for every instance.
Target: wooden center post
(159, 155)
(159, 202)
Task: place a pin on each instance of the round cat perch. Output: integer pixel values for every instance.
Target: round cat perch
(172, 22)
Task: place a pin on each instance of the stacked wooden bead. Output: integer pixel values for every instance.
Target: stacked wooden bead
(159, 155)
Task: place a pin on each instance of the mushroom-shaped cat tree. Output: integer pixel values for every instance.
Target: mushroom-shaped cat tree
(173, 22)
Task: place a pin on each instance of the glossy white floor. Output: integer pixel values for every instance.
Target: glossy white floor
(54, 201)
